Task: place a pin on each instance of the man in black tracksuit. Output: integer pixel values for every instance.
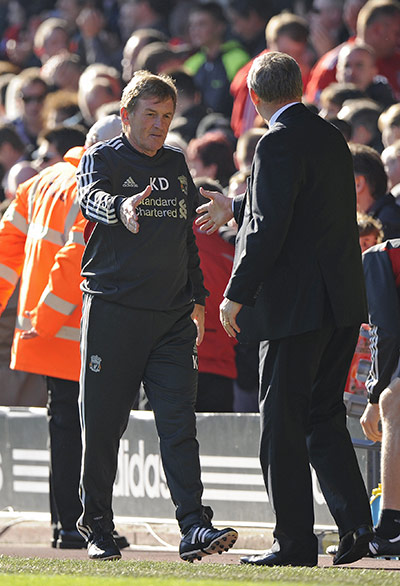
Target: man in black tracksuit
(143, 295)
(382, 278)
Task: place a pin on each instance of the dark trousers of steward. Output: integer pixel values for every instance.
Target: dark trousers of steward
(65, 452)
(120, 347)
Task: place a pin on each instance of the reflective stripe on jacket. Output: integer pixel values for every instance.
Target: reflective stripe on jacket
(41, 240)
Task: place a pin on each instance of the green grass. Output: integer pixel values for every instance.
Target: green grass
(16, 571)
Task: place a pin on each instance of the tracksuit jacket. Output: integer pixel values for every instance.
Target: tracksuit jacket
(382, 277)
(158, 268)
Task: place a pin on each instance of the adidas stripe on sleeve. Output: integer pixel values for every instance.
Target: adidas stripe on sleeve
(96, 202)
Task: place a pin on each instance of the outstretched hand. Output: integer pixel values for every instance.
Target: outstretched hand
(127, 211)
(216, 213)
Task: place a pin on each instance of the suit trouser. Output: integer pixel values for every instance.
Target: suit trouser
(65, 452)
(121, 347)
(303, 420)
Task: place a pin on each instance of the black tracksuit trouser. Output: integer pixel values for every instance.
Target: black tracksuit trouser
(120, 347)
(65, 452)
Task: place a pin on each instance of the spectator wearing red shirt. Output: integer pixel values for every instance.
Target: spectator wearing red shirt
(217, 357)
(357, 64)
(378, 25)
(287, 33)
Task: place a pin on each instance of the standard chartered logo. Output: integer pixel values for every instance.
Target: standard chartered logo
(163, 207)
(182, 209)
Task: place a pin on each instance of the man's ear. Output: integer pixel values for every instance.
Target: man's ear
(360, 182)
(124, 115)
(254, 98)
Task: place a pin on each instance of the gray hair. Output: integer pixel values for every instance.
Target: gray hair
(147, 85)
(275, 77)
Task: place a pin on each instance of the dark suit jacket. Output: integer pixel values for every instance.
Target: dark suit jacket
(297, 245)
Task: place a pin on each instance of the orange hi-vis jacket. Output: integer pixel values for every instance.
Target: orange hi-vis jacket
(41, 241)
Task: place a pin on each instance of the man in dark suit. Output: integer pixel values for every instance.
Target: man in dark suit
(297, 282)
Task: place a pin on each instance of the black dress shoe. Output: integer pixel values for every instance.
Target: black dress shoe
(353, 545)
(271, 558)
(72, 539)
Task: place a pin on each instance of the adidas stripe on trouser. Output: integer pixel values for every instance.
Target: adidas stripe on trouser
(121, 347)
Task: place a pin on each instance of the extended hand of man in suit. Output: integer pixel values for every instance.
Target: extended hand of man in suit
(228, 311)
(216, 213)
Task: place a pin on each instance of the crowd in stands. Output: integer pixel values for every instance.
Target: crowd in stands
(64, 64)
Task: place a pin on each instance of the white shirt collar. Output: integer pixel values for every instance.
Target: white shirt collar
(395, 191)
(276, 114)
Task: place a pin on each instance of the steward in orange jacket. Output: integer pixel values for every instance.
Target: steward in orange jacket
(41, 241)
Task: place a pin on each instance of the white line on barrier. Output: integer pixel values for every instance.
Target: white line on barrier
(226, 478)
(30, 486)
(229, 462)
(34, 471)
(28, 454)
(250, 496)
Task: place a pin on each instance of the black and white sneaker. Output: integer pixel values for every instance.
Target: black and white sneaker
(102, 546)
(381, 547)
(202, 540)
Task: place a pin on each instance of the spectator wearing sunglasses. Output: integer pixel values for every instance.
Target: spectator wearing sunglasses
(30, 93)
